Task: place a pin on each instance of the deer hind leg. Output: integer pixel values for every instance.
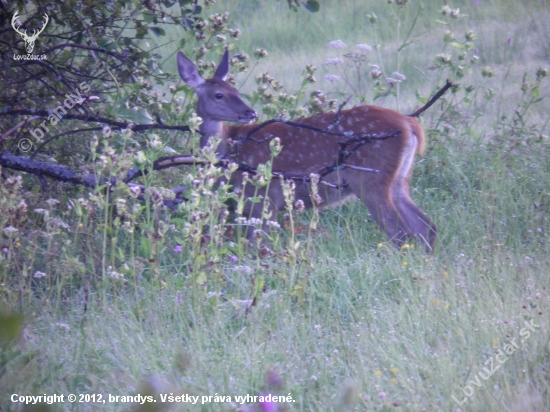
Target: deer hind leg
(378, 200)
(421, 226)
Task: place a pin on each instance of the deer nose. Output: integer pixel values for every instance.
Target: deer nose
(251, 114)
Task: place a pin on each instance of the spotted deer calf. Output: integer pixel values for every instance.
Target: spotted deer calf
(377, 171)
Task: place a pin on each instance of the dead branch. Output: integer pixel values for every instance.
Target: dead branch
(435, 97)
(68, 175)
(94, 119)
(348, 146)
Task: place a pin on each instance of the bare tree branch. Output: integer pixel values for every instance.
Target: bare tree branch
(68, 175)
(81, 46)
(103, 120)
(435, 97)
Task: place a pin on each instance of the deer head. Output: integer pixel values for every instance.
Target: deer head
(218, 101)
(29, 40)
(375, 167)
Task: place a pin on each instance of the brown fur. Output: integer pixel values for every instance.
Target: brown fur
(386, 193)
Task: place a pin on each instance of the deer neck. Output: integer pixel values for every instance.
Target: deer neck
(214, 128)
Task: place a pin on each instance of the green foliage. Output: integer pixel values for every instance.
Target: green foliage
(129, 293)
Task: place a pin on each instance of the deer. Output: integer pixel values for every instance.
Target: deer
(29, 40)
(377, 172)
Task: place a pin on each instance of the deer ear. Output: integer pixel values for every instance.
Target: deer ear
(223, 67)
(188, 71)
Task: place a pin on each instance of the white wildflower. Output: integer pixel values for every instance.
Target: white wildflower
(255, 221)
(332, 77)
(300, 206)
(363, 47)
(52, 202)
(273, 224)
(10, 230)
(63, 326)
(38, 274)
(334, 61)
(246, 270)
(107, 132)
(155, 142)
(392, 80)
(337, 44)
(398, 76)
(194, 122)
(113, 274)
(135, 191)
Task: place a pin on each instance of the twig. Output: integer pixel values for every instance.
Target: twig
(16, 127)
(68, 175)
(80, 46)
(435, 97)
(103, 120)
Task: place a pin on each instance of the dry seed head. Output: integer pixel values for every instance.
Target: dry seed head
(542, 72)
(310, 78)
(399, 76)
(260, 53)
(487, 72)
(443, 58)
(375, 73)
(300, 206)
(317, 199)
(235, 33)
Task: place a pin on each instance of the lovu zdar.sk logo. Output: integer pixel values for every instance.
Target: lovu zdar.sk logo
(28, 39)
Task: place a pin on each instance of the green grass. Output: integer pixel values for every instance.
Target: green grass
(414, 327)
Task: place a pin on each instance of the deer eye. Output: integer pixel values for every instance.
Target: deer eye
(219, 96)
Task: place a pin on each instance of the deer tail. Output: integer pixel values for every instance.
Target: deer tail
(419, 134)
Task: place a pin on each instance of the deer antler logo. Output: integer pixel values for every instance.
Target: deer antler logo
(29, 40)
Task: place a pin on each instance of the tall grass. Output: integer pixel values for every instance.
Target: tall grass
(356, 324)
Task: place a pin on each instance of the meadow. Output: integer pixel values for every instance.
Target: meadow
(336, 318)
